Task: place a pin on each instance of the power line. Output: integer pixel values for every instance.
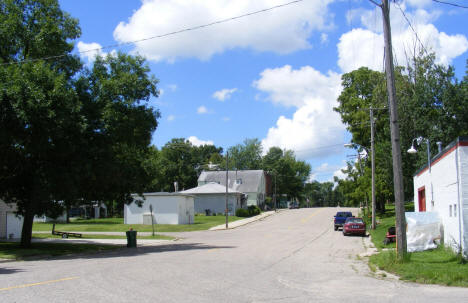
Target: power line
(187, 29)
(411, 26)
(450, 3)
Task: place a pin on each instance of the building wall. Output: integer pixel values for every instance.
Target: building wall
(10, 225)
(170, 209)
(216, 203)
(441, 189)
(463, 173)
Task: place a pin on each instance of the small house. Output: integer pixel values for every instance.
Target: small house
(442, 187)
(211, 198)
(10, 224)
(166, 208)
(250, 182)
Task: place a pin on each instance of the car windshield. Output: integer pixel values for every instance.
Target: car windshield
(343, 214)
(354, 220)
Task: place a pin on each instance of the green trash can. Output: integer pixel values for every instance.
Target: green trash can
(131, 238)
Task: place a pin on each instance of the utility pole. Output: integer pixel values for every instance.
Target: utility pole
(373, 166)
(394, 134)
(227, 181)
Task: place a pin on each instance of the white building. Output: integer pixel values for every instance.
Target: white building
(250, 182)
(168, 208)
(212, 197)
(10, 224)
(444, 189)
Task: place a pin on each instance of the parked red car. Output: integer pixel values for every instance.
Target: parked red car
(355, 226)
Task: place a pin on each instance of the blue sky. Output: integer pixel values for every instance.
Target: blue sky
(273, 76)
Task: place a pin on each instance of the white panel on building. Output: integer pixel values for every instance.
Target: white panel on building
(168, 208)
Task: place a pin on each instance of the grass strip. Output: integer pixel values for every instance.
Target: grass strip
(117, 225)
(438, 266)
(12, 250)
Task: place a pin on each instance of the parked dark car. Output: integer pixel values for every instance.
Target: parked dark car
(355, 226)
(340, 218)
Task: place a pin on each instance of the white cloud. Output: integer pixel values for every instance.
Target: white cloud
(89, 51)
(226, 119)
(202, 110)
(198, 142)
(224, 94)
(170, 118)
(314, 124)
(340, 174)
(289, 87)
(365, 47)
(282, 30)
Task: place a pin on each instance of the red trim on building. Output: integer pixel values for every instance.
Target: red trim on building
(463, 143)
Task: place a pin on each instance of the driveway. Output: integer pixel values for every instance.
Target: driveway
(292, 256)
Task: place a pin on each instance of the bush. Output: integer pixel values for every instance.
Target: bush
(253, 210)
(243, 213)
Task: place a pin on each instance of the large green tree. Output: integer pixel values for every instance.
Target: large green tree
(289, 174)
(431, 104)
(67, 133)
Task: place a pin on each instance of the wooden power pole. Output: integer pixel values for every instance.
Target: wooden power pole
(395, 134)
(373, 166)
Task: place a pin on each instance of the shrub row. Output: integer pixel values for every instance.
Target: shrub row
(251, 211)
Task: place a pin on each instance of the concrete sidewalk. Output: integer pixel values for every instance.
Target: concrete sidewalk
(245, 221)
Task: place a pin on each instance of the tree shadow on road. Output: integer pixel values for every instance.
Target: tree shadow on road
(122, 251)
(6, 271)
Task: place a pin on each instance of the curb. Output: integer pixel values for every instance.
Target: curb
(243, 222)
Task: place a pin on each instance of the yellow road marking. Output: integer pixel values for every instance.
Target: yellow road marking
(305, 220)
(39, 283)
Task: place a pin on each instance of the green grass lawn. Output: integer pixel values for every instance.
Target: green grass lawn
(116, 225)
(91, 236)
(12, 250)
(438, 266)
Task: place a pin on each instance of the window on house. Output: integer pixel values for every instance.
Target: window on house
(454, 210)
(450, 210)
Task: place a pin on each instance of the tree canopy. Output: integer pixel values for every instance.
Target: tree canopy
(67, 133)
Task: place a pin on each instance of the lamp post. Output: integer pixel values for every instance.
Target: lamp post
(413, 150)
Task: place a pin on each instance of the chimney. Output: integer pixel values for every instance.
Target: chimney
(439, 146)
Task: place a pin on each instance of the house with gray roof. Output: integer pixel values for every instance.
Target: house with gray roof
(250, 182)
(211, 198)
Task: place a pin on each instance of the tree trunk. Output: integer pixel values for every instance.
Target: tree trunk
(26, 232)
(67, 213)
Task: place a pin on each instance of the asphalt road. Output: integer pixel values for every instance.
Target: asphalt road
(292, 256)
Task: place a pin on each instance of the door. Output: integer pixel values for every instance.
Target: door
(422, 198)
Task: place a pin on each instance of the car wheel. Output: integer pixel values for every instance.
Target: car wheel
(344, 234)
(336, 228)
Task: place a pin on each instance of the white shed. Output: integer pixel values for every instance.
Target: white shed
(168, 208)
(10, 224)
(212, 197)
(444, 189)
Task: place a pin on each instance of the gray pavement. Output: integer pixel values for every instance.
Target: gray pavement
(291, 256)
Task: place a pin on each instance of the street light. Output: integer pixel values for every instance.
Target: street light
(413, 150)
